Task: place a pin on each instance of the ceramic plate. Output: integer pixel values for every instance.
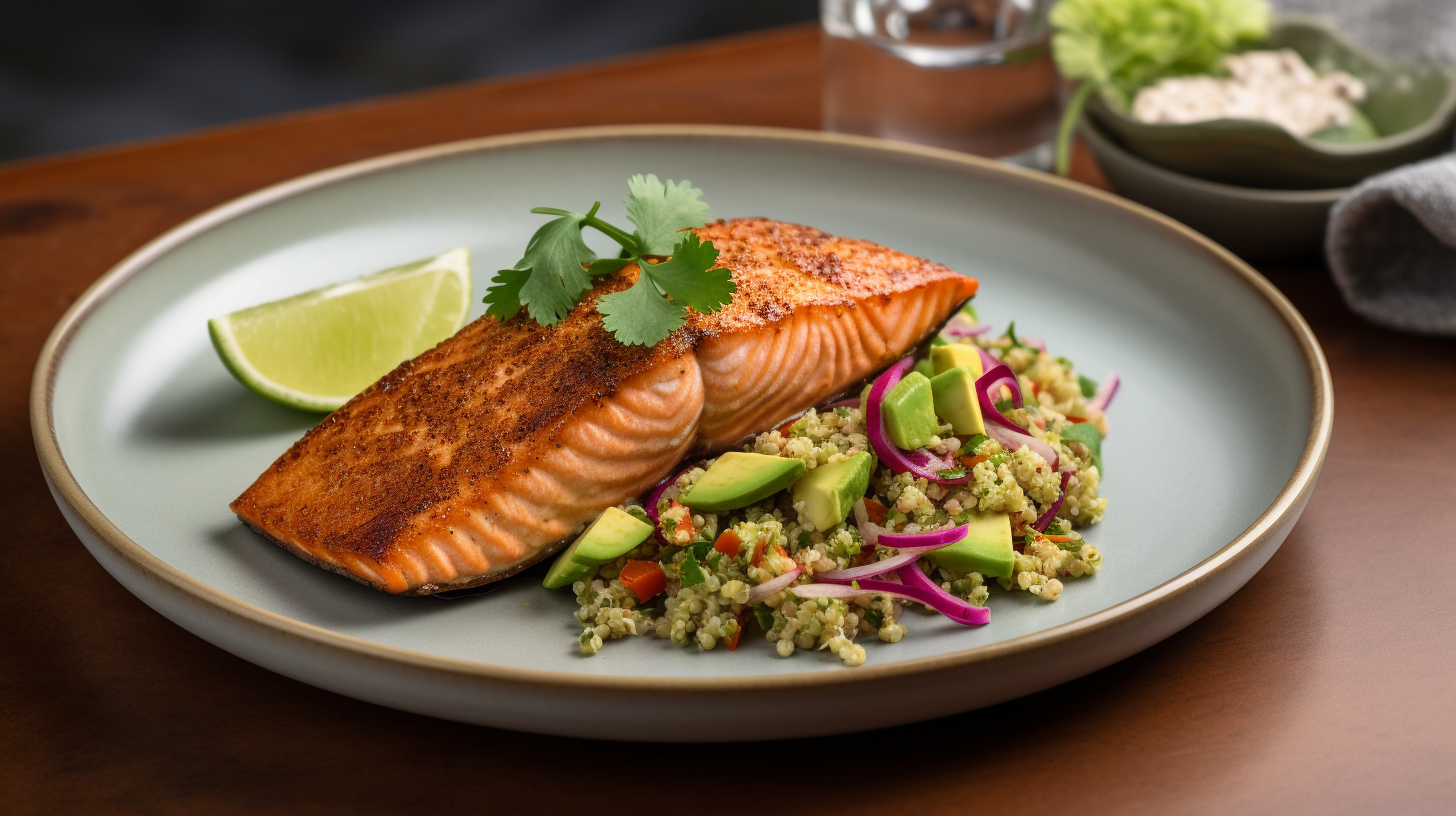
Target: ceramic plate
(1217, 436)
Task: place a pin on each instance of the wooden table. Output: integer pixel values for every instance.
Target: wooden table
(1324, 686)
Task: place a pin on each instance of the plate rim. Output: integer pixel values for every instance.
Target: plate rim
(1290, 499)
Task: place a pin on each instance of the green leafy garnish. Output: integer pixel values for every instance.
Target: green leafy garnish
(1011, 334)
(1087, 434)
(976, 441)
(1088, 386)
(1121, 46)
(677, 269)
(690, 572)
(660, 211)
(764, 616)
(642, 316)
(875, 617)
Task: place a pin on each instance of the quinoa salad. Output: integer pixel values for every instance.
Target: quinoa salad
(955, 476)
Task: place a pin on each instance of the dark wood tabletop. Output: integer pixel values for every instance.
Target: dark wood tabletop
(1324, 686)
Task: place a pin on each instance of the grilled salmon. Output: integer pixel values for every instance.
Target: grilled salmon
(485, 454)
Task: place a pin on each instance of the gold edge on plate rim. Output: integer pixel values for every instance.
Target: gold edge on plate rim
(1294, 493)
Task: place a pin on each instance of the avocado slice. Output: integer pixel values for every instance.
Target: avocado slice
(985, 549)
(829, 491)
(955, 355)
(1087, 434)
(955, 400)
(924, 367)
(614, 534)
(909, 411)
(739, 479)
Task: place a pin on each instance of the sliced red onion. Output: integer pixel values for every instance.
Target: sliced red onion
(955, 608)
(925, 540)
(1034, 342)
(987, 361)
(1105, 394)
(768, 588)
(998, 427)
(869, 570)
(918, 461)
(986, 385)
(929, 461)
(1014, 440)
(868, 530)
(1051, 513)
(962, 326)
(812, 591)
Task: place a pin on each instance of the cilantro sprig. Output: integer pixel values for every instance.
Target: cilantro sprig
(677, 269)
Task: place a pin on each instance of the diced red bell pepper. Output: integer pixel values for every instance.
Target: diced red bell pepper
(644, 578)
(728, 543)
(758, 549)
(732, 640)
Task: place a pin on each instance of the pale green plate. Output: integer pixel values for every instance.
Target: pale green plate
(1217, 437)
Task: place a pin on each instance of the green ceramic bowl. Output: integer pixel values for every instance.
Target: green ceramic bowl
(1412, 106)
(1253, 223)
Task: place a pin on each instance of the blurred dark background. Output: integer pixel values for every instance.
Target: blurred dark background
(80, 73)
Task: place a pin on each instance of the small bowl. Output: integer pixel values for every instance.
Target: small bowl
(1414, 105)
(1253, 223)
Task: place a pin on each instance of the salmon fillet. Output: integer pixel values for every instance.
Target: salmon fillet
(485, 454)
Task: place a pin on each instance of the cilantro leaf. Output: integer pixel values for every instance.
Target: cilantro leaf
(689, 276)
(550, 278)
(764, 615)
(660, 211)
(1087, 434)
(690, 573)
(1011, 333)
(504, 294)
(558, 266)
(640, 315)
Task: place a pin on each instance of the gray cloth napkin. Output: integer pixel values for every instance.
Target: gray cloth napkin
(1391, 243)
(1392, 247)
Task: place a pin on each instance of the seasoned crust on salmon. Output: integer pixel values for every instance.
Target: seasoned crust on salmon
(481, 456)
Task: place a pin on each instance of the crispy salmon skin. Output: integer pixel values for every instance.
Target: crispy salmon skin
(483, 455)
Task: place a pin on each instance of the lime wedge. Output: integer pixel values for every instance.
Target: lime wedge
(317, 350)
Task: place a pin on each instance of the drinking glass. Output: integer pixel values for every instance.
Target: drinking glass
(970, 75)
